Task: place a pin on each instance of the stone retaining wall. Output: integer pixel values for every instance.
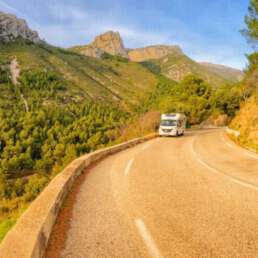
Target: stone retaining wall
(29, 237)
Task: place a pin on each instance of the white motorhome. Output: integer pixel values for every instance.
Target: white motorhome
(172, 124)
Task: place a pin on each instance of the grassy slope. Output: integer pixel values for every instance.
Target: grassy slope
(110, 80)
(179, 66)
(5, 226)
(225, 72)
(176, 66)
(247, 123)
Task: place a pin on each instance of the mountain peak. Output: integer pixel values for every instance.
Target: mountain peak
(109, 42)
(12, 28)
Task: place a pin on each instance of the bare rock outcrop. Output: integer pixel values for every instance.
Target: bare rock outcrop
(112, 43)
(13, 28)
(109, 42)
(153, 52)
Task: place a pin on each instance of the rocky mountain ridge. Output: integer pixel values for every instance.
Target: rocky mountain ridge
(170, 58)
(153, 52)
(226, 72)
(12, 28)
(112, 43)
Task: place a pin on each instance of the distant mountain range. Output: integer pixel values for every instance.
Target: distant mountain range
(172, 61)
(104, 70)
(226, 72)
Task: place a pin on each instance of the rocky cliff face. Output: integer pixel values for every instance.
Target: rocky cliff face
(153, 52)
(112, 43)
(171, 60)
(109, 42)
(12, 28)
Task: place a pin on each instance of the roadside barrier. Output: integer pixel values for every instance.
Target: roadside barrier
(232, 132)
(29, 237)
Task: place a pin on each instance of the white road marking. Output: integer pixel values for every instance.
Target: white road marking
(192, 147)
(148, 240)
(244, 184)
(128, 166)
(207, 165)
(232, 179)
(200, 160)
(251, 155)
(226, 141)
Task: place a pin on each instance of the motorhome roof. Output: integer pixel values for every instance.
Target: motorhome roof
(172, 116)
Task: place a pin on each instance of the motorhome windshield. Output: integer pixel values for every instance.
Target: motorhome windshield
(168, 123)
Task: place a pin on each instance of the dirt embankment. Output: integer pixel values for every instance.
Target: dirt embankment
(246, 122)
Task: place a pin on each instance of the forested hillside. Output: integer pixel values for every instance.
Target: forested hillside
(64, 105)
(110, 79)
(246, 120)
(177, 66)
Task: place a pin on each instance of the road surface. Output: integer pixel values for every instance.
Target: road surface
(192, 196)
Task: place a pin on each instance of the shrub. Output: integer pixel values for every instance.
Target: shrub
(5, 226)
(34, 186)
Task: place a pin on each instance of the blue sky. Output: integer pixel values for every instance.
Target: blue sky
(206, 30)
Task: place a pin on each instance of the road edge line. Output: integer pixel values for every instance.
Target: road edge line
(128, 166)
(147, 238)
(231, 178)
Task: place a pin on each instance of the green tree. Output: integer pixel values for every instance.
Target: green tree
(227, 99)
(251, 32)
(251, 21)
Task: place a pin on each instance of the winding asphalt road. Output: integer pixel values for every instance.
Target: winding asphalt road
(193, 196)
